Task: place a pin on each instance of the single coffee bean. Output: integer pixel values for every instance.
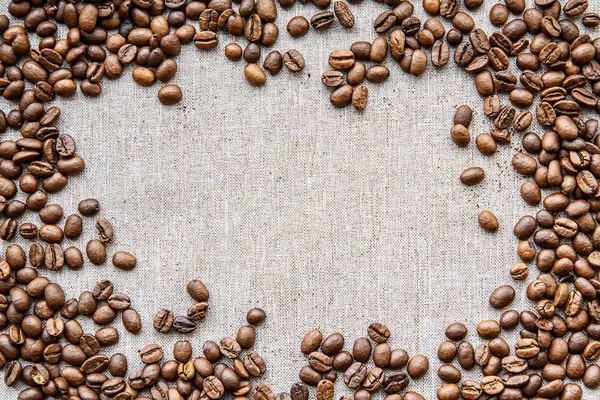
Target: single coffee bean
(293, 60)
(502, 296)
(255, 316)
(170, 94)
(96, 252)
(298, 26)
(88, 207)
(472, 176)
(273, 62)
(124, 260)
(342, 96)
(488, 221)
(184, 325)
(460, 135)
(255, 75)
(418, 366)
(360, 97)
(163, 321)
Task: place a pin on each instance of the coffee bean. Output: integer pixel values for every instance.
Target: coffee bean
(384, 21)
(502, 296)
(460, 135)
(206, 40)
(355, 375)
(332, 78)
(197, 311)
(88, 207)
(96, 252)
(342, 96)
(297, 26)
(299, 391)
(184, 325)
(163, 321)
(377, 73)
(360, 97)
(170, 94)
(488, 221)
(472, 176)
(273, 62)
(255, 75)
(418, 366)
(341, 59)
(256, 316)
(124, 260)
(293, 60)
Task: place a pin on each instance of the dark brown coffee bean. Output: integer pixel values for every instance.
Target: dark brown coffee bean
(299, 391)
(184, 325)
(88, 207)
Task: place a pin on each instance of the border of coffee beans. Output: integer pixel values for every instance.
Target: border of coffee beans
(559, 64)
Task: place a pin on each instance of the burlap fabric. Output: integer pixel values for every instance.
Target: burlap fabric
(325, 218)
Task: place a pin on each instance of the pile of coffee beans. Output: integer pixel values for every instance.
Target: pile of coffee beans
(165, 320)
(226, 367)
(557, 84)
(327, 356)
(43, 331)
(533, 370)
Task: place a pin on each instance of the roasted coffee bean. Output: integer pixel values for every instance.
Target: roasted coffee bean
(355, 375)
(299, 391)
(255, 75)
(298, 26)
(255, 316)
(96, 251)
(184, 325)
(151, 353)
(197, 311)
(460, 135)
(293, 60)
(360, 97)
(395, 383)
(88, 207)
(502, 296)
(341, 59)
(472, 176)
(342, 96)
(488, 221)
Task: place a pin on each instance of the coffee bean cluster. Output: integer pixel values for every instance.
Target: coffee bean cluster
(223, 368)
(105, 37)
(165, 319)
(556, 85)
(326, 357)
(45, 346)
(536, 366)
(46, 349)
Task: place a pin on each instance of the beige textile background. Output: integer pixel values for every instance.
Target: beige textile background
(325, 218)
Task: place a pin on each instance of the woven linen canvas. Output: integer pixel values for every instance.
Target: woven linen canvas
(324, 217)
